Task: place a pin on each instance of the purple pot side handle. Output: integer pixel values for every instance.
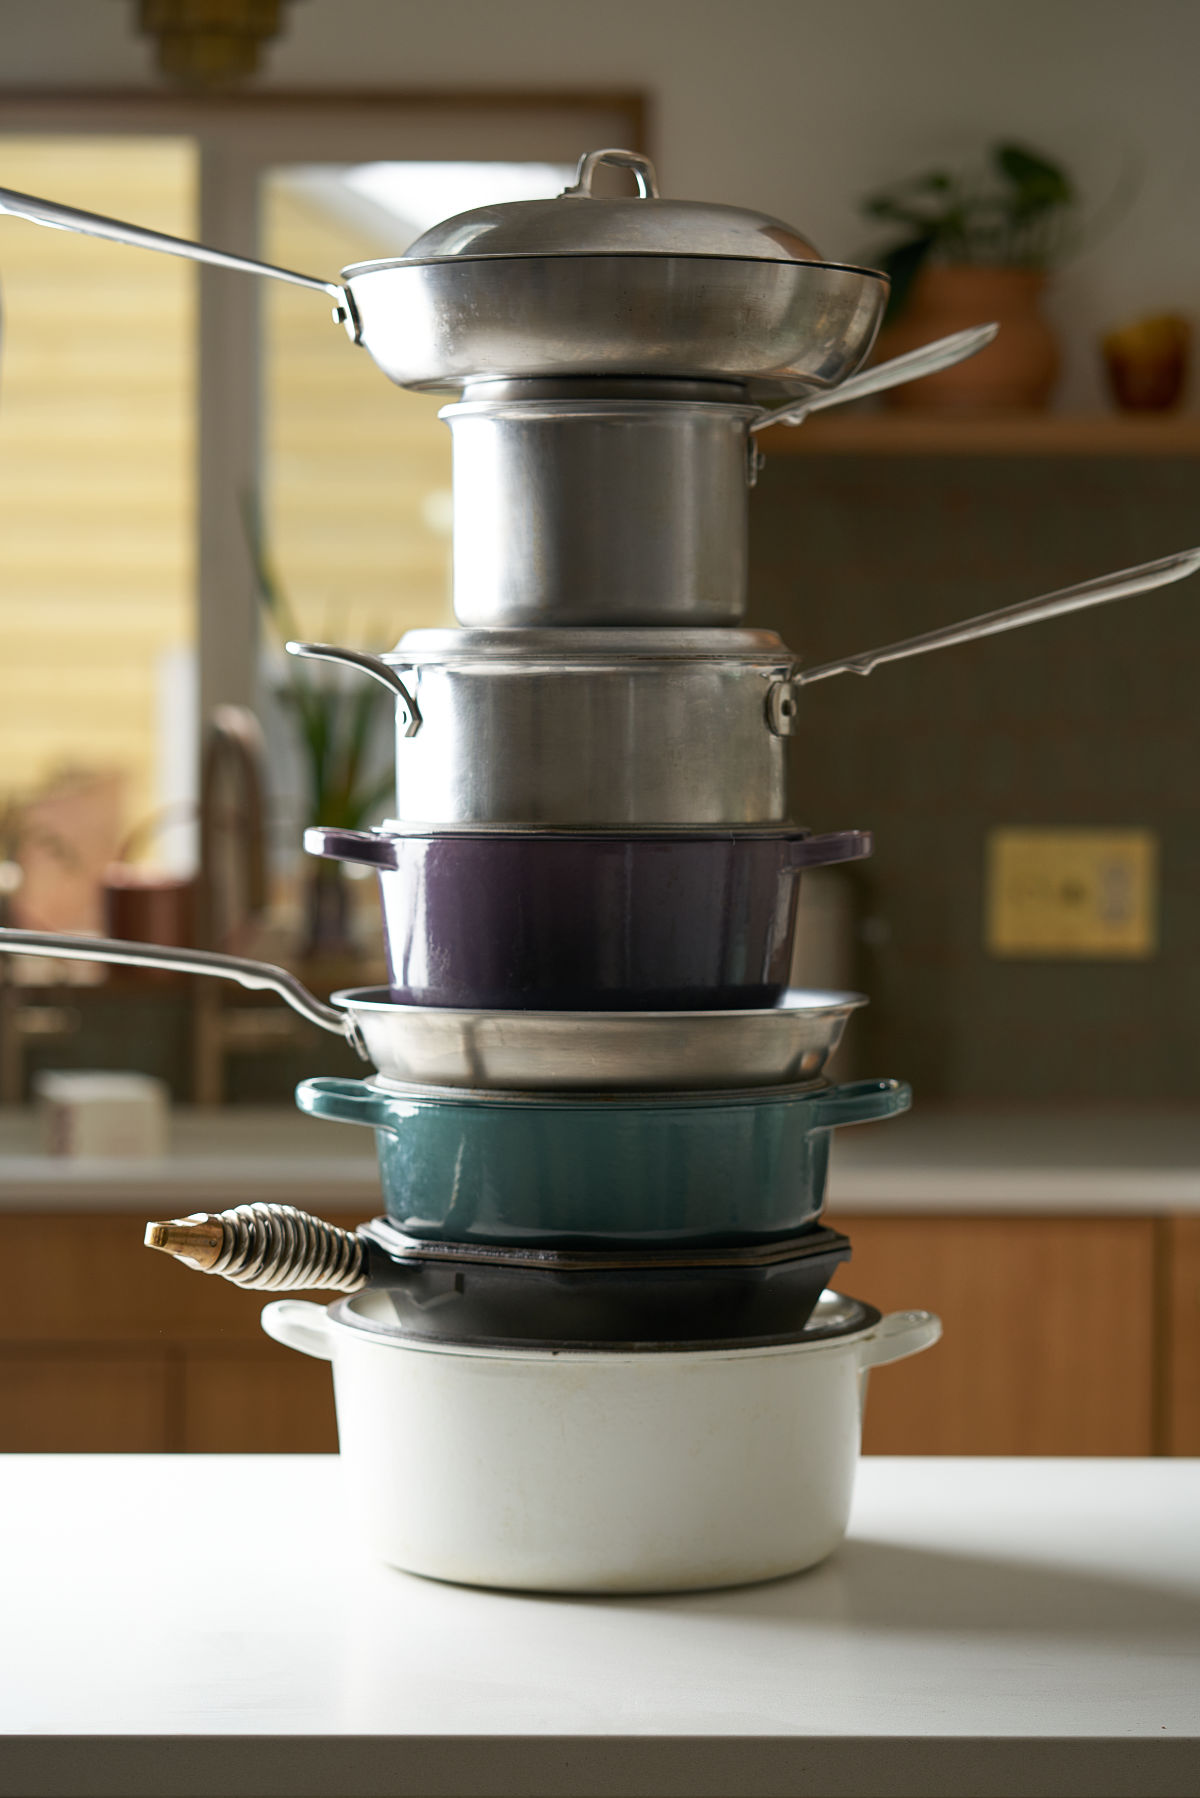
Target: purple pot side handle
(364, 846)
(826, 851)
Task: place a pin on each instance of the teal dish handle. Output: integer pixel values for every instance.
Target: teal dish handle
(348, 1101)
(858, 1102)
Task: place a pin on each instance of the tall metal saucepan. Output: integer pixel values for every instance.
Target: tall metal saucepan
(605, 729)
(622, 502)
(588, 729)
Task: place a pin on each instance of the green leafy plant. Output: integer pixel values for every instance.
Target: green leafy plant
(1018, 214)
(334, 724)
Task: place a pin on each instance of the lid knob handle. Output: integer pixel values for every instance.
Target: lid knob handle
(642, 167)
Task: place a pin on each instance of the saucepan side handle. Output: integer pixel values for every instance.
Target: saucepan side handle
(899, 1334)
(299, 1324)
(407, 709)
(826, 851)
(346, 1101)
(860, 1102)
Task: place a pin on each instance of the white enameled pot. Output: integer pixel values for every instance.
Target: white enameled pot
(573, 1471)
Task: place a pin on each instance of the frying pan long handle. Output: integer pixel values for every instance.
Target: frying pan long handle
(375, 666)
(1010, 618)
(931, 357)
(258, 976)
(94, 224)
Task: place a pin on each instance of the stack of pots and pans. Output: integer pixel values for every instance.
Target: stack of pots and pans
(588, 1345)
(602, 1261)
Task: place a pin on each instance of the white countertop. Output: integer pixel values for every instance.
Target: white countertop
(937, 1158)
(194, 1625)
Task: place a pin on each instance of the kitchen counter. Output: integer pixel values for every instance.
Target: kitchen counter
(226, 1155)
(1021, 1159)
(936, 1158)
(202, 1625)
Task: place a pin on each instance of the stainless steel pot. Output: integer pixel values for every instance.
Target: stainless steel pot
(601, 1051)
(601, 510)
(621, 502)
(582, 285)
(593, 728)
(612, 729)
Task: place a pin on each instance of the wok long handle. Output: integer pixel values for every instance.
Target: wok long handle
(375, 666)
(931, 357)
(1010, 618)
(95, 224)
(257, 976)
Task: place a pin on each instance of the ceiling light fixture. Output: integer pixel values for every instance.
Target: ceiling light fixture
(209, 43)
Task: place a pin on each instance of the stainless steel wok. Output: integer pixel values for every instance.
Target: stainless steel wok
(533, 1051)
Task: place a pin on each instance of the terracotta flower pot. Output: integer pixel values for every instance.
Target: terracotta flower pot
(1016, 373)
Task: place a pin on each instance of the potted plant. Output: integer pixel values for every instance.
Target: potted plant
(975, 249)
(334, 729)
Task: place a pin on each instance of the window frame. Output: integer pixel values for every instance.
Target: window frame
(239, 138)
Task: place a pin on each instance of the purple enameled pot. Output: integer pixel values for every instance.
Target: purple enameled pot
(556, 920)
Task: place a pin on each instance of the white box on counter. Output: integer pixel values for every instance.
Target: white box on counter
(107, 1116)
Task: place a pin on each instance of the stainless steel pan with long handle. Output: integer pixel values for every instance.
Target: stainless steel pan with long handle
(439, 1046)
(926, 360)
(257, 976)
(444, 320)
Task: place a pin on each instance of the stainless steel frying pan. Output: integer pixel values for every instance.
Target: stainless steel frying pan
(443, 321)
(532, 1051)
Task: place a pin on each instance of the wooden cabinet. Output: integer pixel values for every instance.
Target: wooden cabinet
(1180, 1335)
(1064, 1336)
(77, 1399)
(105, 1345)
(1049, 1345)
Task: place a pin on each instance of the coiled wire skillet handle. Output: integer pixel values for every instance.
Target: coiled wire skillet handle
(299, 1324)
(265, 1247)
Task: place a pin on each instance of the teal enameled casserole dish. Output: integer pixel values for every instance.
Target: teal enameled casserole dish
(601, 1170)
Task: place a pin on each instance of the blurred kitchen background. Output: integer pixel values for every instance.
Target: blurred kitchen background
(193, 466)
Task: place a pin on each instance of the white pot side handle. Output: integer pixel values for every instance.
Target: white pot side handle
(901, 1333)
(299, 1324)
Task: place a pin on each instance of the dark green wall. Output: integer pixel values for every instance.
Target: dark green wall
(1092, 719)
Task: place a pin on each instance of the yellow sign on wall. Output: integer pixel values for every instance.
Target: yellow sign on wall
(1072, 893)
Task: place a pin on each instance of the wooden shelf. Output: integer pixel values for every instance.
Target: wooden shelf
(984, 434)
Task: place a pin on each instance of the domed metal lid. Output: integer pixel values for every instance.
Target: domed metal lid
(579, 223)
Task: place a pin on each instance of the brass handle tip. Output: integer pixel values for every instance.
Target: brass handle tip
(198, 1240)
